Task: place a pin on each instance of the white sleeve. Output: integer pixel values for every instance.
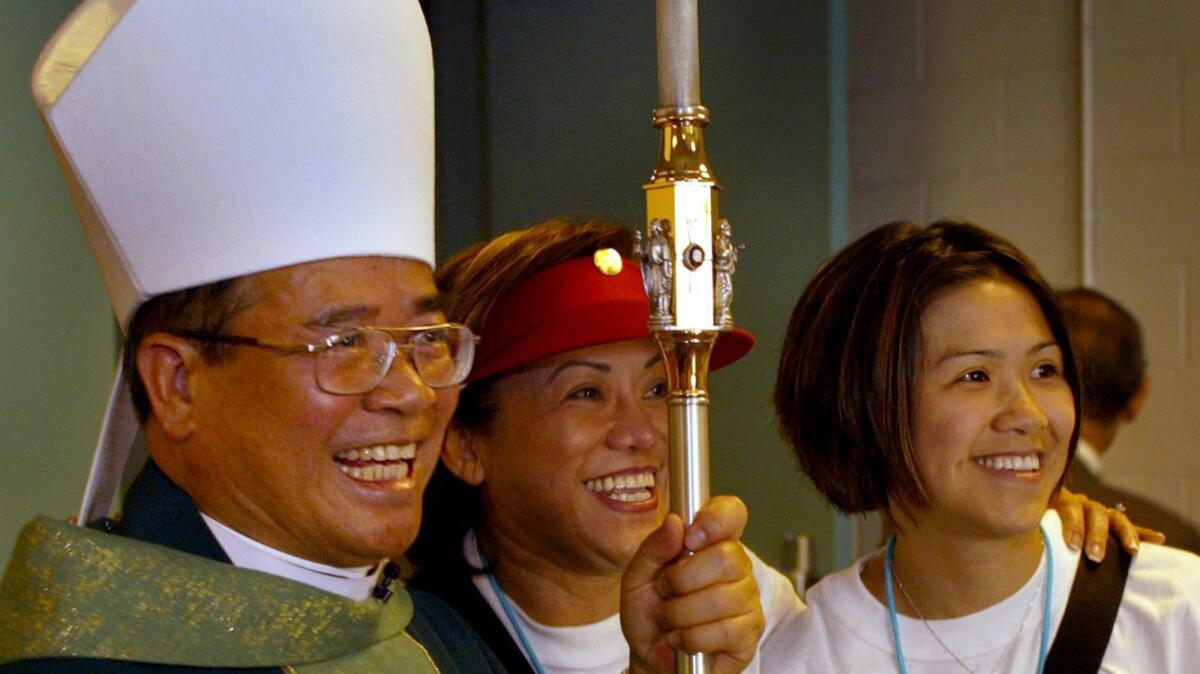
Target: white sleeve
(1158, 625)
(780, 603)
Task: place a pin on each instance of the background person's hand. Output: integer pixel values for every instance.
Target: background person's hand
(1088, 523)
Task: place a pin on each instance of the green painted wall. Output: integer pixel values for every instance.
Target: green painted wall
(56, 361)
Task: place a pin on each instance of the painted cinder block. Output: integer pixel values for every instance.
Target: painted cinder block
(886, 136)
(1033, 33)
(1039, 211)
(1149, 206)
(885, 43)
(1189, 273)
(974, 197)
(962, 123)
(1041, 116)
(964, 36)
(1131, 25)
(1191, 100)
(1137, 104)
(1151, 287)
(873, 205)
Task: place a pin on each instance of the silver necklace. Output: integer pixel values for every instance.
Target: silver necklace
(1007, 649)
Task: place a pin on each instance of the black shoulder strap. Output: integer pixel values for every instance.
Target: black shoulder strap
(1091, 611)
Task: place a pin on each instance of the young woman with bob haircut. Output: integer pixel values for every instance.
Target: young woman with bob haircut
(927, 373)
(554, 471)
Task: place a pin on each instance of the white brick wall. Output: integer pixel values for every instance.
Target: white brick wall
(970, 108)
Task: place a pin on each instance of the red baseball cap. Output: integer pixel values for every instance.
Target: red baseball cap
(581, 302)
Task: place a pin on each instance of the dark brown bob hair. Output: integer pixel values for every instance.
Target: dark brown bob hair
(845, 389)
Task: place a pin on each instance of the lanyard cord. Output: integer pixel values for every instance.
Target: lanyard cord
(512, 615)
(1047, 604)
(1044, 649)
(891, 597)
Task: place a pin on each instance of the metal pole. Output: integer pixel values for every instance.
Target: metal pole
(688, 259)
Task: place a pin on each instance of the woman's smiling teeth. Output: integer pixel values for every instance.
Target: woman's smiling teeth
(629, 487)
(1014, 462)
(378, 463)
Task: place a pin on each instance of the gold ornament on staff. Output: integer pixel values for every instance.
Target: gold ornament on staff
(688, 258)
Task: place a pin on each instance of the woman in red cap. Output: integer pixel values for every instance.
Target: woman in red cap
(555, 466)
(554, 470)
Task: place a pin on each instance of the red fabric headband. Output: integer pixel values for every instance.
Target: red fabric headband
(570, 306)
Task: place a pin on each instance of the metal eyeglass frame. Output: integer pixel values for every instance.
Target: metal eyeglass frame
(333, 340)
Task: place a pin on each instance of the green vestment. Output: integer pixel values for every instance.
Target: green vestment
(75, 592)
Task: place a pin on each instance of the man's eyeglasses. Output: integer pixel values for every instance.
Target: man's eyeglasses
(356, 360)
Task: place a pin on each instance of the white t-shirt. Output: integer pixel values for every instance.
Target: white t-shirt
(600, 647)
(847, 630)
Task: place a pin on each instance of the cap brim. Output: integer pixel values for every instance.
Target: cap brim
(731, 347)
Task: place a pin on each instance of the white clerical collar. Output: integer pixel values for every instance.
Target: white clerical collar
(1089, 457)
(353, 583)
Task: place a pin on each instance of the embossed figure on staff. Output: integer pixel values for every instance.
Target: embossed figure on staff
(725, 257)
(658, 273)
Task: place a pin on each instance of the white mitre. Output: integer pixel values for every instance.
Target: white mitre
(208, 139)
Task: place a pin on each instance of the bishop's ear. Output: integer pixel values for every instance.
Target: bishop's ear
(461, 454)
(164, 362)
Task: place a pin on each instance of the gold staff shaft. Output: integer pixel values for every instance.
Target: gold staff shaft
(687, 261)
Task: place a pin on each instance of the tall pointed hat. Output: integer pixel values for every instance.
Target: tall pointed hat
(208, 139)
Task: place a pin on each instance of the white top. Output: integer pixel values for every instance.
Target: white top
(600, 647)
(246, 553)
(847, 630)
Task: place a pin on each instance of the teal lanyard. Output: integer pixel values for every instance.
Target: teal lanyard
(1047, 603)
(512, 615)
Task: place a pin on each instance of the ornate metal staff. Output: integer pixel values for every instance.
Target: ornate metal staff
(687, 261)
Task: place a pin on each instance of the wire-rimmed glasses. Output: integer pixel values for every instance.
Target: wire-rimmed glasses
(356, 360)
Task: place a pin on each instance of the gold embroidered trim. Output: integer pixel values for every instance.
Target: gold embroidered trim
(72, 592)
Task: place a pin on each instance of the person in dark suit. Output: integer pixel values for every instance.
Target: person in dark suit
(1107, 341)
